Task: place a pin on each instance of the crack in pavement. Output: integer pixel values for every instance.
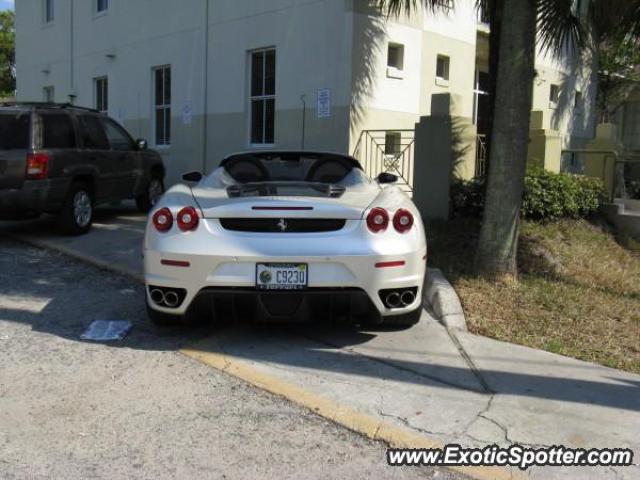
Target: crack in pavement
(467, 359)
(406, 423)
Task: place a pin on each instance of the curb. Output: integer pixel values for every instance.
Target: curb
(101, 264)
(209, 353)
(444, 300)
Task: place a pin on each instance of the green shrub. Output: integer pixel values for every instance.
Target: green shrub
(547, 196)
(550, 195)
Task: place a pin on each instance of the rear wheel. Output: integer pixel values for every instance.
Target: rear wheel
(152, 193)
(76, 215)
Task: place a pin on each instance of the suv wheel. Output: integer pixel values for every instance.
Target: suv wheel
(76, 216)
(152, 193)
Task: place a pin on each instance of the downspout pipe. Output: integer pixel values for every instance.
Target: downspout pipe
(205, 103)
(72, 84)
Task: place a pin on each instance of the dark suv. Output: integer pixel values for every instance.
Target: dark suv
(62, 159)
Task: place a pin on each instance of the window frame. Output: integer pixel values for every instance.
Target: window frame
(578, 102)
(443, 80)
(554, 99)
(96, 7)
(264, 97)
(104, 92)
(48, 12)
(164, 106)
(400, 56)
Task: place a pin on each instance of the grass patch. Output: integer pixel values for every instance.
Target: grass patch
(577, 294)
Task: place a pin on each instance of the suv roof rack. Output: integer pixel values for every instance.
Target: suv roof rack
(65, 106)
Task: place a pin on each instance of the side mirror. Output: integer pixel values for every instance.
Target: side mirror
(386, 177)
(192, 177)
(141, 144)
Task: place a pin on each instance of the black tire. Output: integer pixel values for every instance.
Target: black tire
(148, 198)
(404, 320)
(162, 319)
(76, 215)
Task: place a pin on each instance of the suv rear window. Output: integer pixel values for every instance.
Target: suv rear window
(14, 131)
(57, 131)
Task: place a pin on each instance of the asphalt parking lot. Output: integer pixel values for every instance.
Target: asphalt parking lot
(138, 408)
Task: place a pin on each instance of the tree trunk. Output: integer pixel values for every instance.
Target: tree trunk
(496, 254)
(495, 16)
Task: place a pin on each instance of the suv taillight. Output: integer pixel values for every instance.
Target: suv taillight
(37, 166)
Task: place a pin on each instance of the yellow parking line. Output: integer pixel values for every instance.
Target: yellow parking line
(209, 353)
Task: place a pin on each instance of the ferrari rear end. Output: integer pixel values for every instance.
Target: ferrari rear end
(286, 250)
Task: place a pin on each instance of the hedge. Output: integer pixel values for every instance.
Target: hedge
(547, 196)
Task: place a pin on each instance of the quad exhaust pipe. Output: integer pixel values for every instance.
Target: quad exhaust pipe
(165, 298)
(398, 298)
(171, 299)
(407, 298)
(157, 296)
(393, 300)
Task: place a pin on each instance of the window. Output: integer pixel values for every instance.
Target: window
(102, 6)
(93, 136)
(118, 137)
(392, 143)
(578, 103)
(57, 131)
(48, 94)
(263, 97)
(162, 105)
(554, 95)
(442, 67)
(14, 131)
(101, 86)
(395, 56)
(48, 11)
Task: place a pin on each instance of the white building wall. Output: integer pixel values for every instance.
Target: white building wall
(320, 44)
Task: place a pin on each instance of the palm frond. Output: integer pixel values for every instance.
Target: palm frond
(560, 27)
(396, 8)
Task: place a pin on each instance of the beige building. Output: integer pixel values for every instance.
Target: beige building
(203, 78)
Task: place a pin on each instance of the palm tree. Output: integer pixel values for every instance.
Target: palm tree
(517, 27)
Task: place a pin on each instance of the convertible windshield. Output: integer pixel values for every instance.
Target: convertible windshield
(305, 167)
(286, 189)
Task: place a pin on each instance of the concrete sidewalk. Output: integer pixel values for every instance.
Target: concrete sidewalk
(426, 381)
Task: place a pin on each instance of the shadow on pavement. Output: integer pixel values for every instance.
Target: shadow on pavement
(58, 296)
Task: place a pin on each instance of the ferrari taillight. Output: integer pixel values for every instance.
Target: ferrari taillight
(378, 220)
(403, 221)
(163, 220)
(187, 219)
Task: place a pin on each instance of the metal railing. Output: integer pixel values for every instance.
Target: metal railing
(622, 181)
(387, 151)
